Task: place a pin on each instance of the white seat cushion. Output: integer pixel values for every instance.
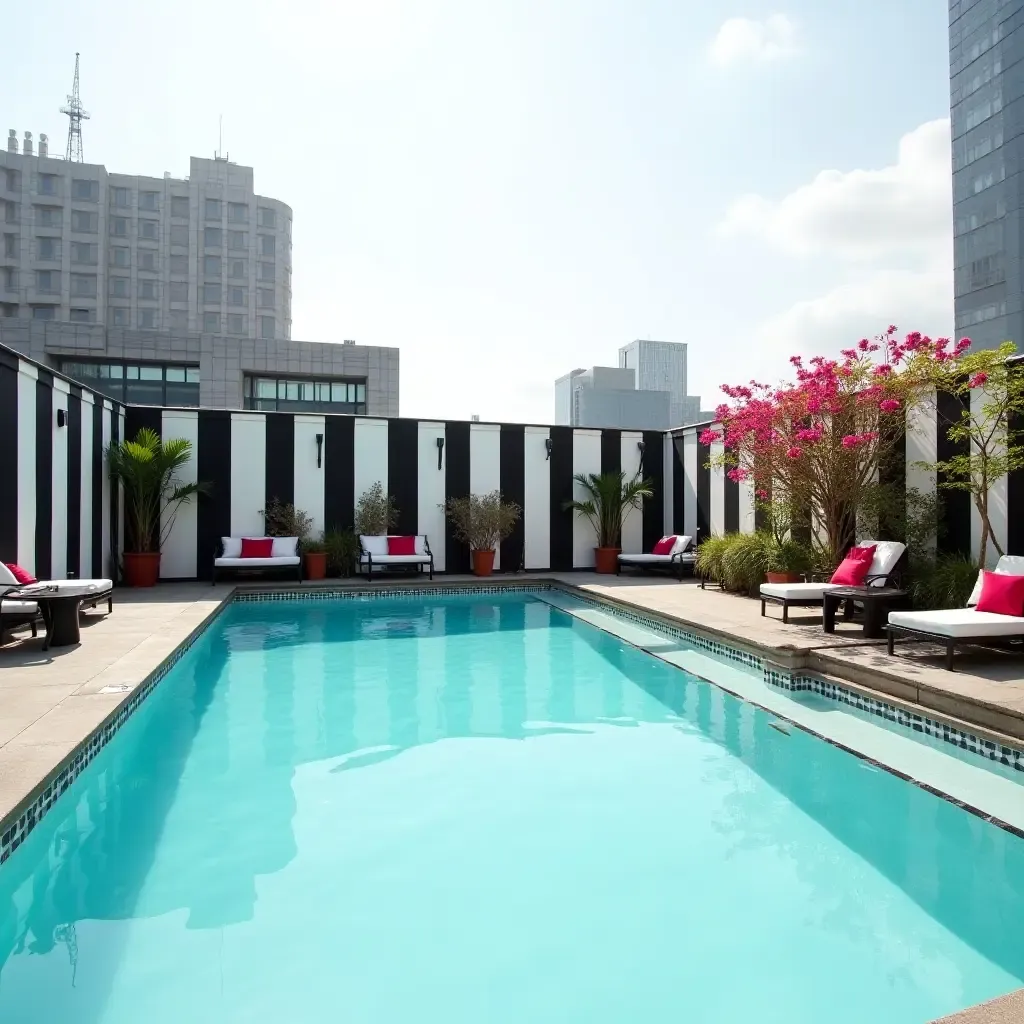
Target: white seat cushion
(256, 563)
(396, 559)
(965, 622)
(797, 591)
(284, 547)
(647, 559)
(98, 585)
(1008, 565)
(232, 546)
(19, 608)
(374, 545)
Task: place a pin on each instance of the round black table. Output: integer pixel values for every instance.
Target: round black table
(876, 600)
(59, 608)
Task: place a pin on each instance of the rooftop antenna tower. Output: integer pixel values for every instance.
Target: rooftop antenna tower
(76, 115)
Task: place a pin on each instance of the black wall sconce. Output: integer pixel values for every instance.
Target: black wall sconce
(547, 446)
(319, 450)
(440, 451)
(62, 418)
(640, 447)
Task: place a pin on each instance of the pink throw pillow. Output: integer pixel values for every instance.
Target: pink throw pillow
(664, 546)
(1001, 594)
(257, 547)
(23, 576)
(854, 567)
(401, 545)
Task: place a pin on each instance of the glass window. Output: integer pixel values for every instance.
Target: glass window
(238, 213)
(149, 200)
(147, 319)
(85, 221)
(120, 197)
(237, 296)
(145, 392)
(211, 323)
(119, 287)
(192, 374)
(267, 272)
(181, 393)
(46, 184)
(119, 257)
(211, 266)
(149, 229)
(43, 313)
(179, 291)
(49, 216)
(338, 393)
(212, 209)
(211, 293)
(119, 227)
(212, 238)
(47, 281)
(268, 217)
(179, 264)
(176, 373)
(11, 246)
(83, 285)
(237, 270)
(48, 248)
(85, 188)
(267, 245)
(266, 388)
(236, 323)
(119, 316)
(267, 327)
(147, 260)
(238, 241)
(265, 298)
(83, 252)
(147, 288)
(179, 207)
(361, 393)
(179, 234)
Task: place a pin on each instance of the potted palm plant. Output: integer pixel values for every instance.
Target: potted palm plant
(609, 498)
(482, 521)
(147, 470)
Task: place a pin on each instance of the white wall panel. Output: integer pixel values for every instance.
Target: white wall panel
(430, 489)
(180, 553)
(59, 483)
(997, 500)
(922, 446)
(746, 489)
(586, 458)
(248, 473)
(371, 454)
(537, 499)
(633, 522)
(85, 513)
(717, 474)
(667, 503)
(27, 467)
(309, 479)
(485, 464)
(690, 453)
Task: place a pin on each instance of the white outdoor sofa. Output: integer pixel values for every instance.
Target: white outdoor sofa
(951, 627)
(883, 572)
(373, 554)
(678, 561)
(102, 590)
(284, 557)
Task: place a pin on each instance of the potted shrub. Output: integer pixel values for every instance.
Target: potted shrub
(314, 558)
(342, 547)
(787, 562)
(147, 469)
(482, 521)
(609, 497)
(283, 519)
(376, 513)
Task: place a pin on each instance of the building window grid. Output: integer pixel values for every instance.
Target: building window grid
(305, 394)
(145, 383)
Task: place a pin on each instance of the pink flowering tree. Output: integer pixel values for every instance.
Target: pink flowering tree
(989, 426)
(816, 443)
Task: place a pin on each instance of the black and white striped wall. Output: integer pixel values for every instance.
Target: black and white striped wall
(250, 457)
(55, 498)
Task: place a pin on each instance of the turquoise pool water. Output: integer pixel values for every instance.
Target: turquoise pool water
(480, 809)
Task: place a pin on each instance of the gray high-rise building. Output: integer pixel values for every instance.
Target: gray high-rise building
(661, 366)
(987, 119)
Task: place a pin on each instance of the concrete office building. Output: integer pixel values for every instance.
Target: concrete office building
(986, 110)
(661, 366)
(203, 254)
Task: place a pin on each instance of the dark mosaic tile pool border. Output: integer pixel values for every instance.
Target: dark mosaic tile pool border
(370, 593)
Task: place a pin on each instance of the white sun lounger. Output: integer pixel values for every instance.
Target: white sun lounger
(676, 562)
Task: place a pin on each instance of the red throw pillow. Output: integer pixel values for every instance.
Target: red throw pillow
(257, 547)
(23, 576)
(401, 545)
(1001, 594)
(854, 567)
(664, 546)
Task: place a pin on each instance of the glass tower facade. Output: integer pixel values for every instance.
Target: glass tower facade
(986, 38)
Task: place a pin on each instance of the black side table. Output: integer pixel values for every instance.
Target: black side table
(876, 600)
(59, 609)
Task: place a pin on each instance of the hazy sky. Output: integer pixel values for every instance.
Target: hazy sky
(507, 190)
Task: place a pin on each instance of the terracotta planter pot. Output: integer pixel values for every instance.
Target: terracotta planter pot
(141, 568)
(606, 560)
(483, 563)
(783, 577)
(314, 564)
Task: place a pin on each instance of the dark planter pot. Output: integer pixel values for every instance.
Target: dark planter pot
(141, 568)
(315, 565)
(606, 560)
(783, 577)
(483, 563)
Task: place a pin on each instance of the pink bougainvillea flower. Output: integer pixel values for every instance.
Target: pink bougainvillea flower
(889, 405)
(849, 353)
(978, 380)
(763, 495)
(738, 474)
(864, 345)
(882, 370)
(963, 345)
(796, 360)
(794, 452)
(709, 436)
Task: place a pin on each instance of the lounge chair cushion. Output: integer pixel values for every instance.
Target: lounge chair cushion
(19, 608)
(396, 559)
(100, 586)
(887, 554)
(1008, 565)
(959, 622)
(686, 559)
(797, 591)
(257, 563)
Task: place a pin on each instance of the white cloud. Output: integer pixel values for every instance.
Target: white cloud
(747, 40)
(861, 214)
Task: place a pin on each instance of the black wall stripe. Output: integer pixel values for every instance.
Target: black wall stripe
(560, 468)
(512, 470)
(456, 485)
(339, 472)
(703, 493)
(44, 476)
(892, 475)
(99, 486)
(954, 505)
(9, 458)
(74, 528)
(280, 470)
(1015, 495)
(653, 468)
(731, 506)
(611, 451)
(213, 465)
(679, 523)
(403, 473)
(137, 418)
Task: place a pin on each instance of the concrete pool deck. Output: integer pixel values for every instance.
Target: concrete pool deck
(51, 702)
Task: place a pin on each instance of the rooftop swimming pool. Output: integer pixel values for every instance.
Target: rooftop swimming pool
(480, 808)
